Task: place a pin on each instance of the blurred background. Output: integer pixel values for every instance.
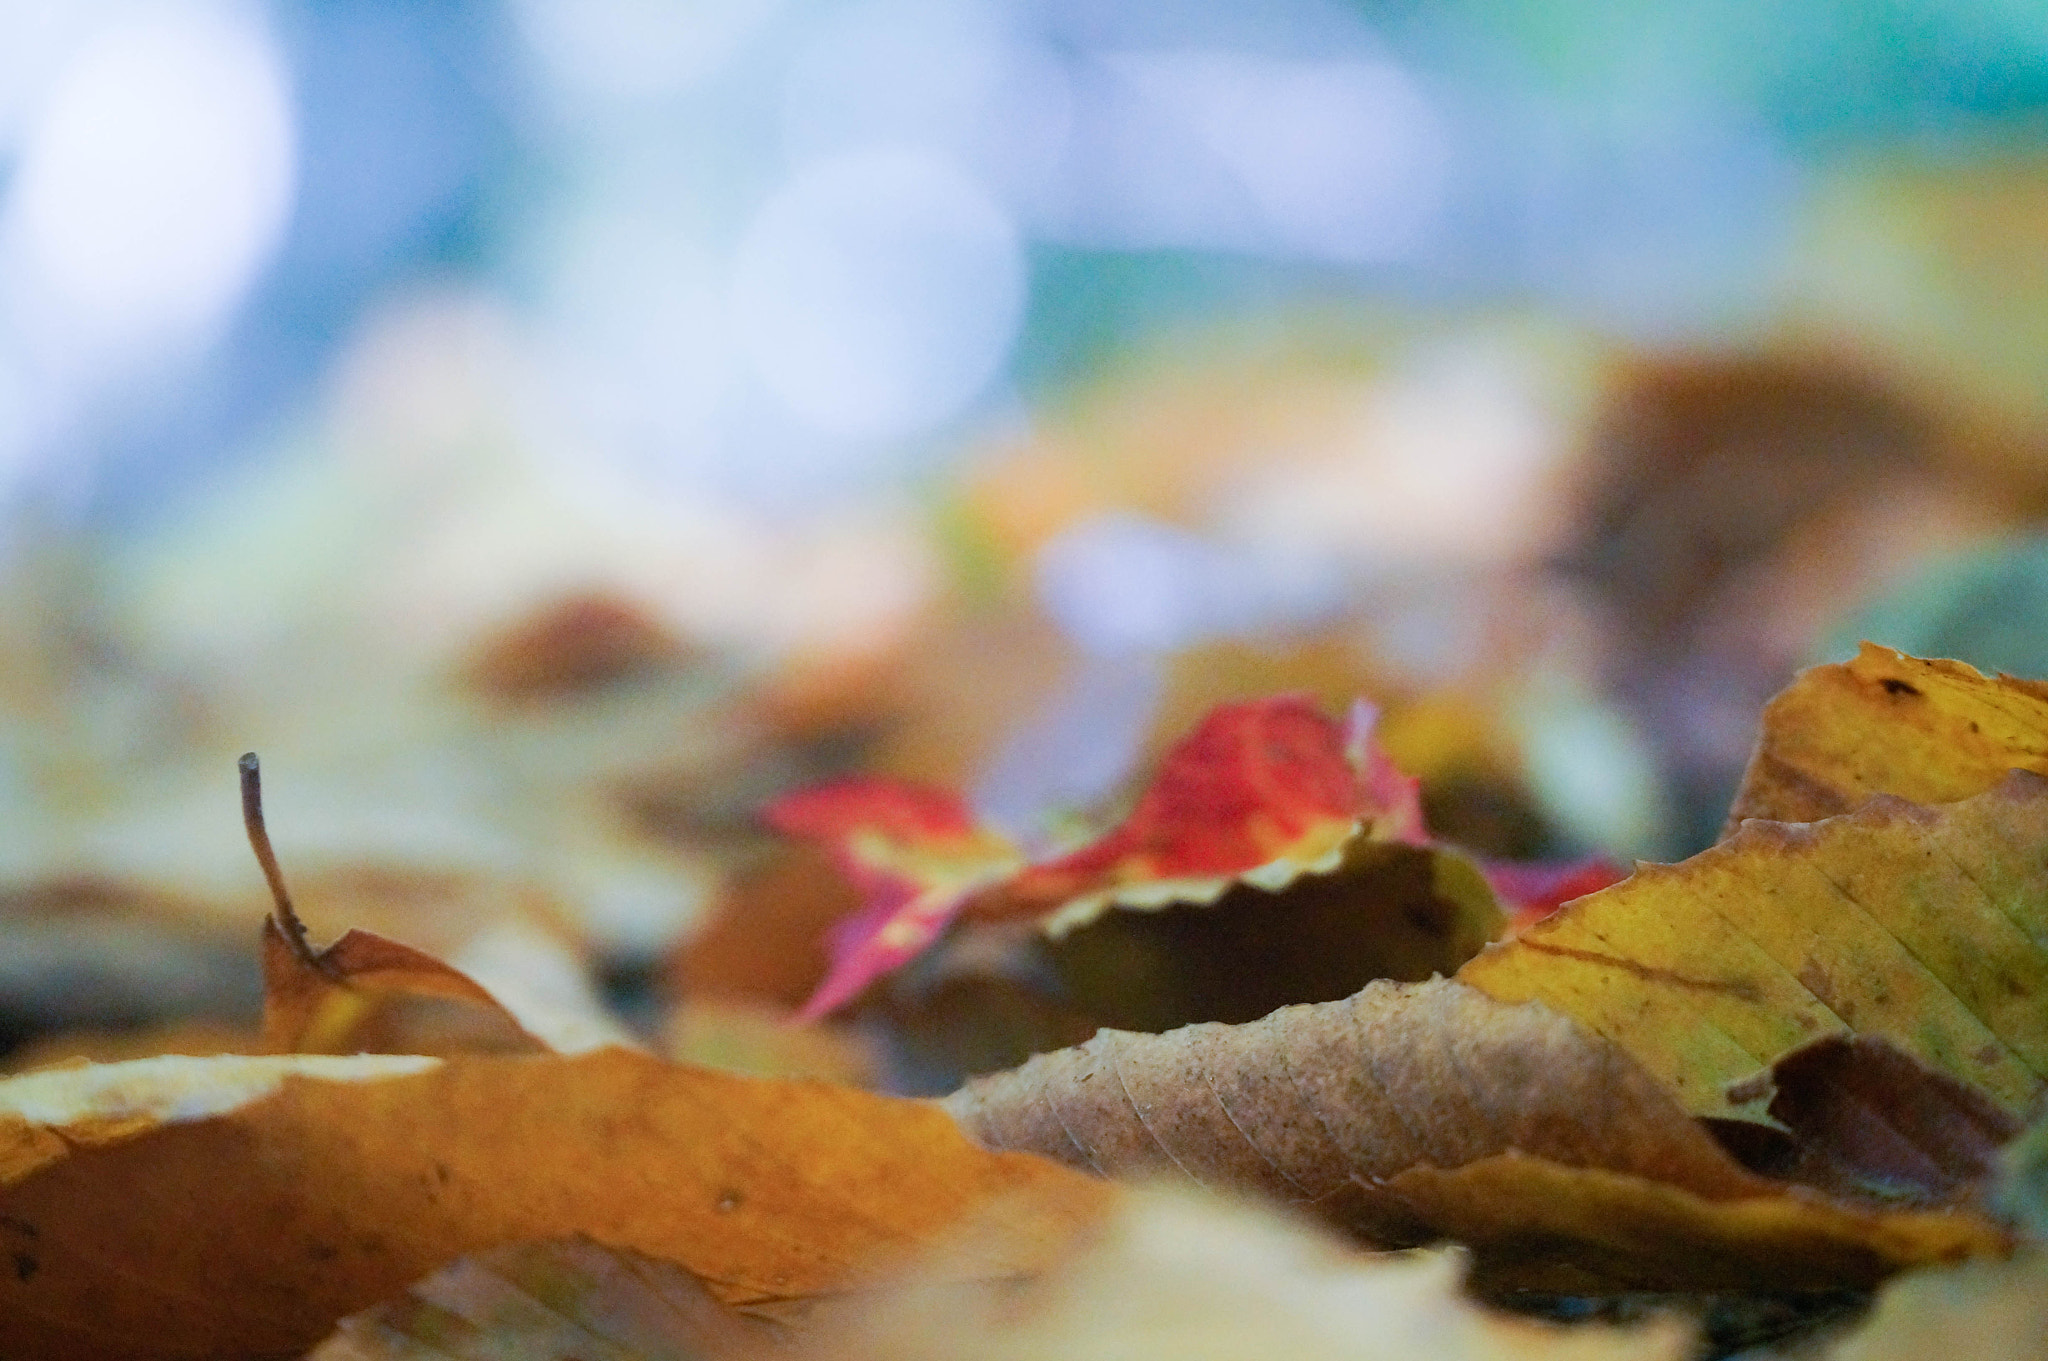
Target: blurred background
(546, 429)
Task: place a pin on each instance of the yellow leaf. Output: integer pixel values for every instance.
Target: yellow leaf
(1886, 723)
(1927, 926)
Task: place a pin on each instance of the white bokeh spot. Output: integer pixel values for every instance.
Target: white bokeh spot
(155, 180)
(877, 293)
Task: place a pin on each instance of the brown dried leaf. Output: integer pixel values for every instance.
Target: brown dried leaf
(1538, 1225)
(1390, 1112)
(1928, 926)
(1872, 1124)
(1886, 723)
(567, 649)
(239, 1206)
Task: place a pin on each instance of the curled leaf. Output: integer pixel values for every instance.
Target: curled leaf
(366, 993)
(1261, 795)
(1261, 792)
(1927, 926)
(1886, 723)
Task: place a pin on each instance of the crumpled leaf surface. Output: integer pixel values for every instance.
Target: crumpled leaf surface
(1259, 794)
(1886, 723)
(239, 1206)
(1414, 1110)
(1927, 926)
(1169, 1275)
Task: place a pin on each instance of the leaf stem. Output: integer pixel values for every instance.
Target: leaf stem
(284, 915)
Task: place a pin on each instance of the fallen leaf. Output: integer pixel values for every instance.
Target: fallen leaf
(1533, 1224)
(576, 645)
(1870, 1123)
(1886, 723)
(367, 994)
(49, 1116)
(1387, 910)
(1927, 926)
(239, 1206)
(1260, 794)
(1417, 1110)
(763, 938)
(564, 1300)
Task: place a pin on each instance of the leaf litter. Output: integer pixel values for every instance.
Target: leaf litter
(1870, 1036)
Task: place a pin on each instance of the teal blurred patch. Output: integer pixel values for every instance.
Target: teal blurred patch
(1988, 608)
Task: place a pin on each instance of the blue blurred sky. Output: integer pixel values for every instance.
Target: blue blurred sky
(778, 249)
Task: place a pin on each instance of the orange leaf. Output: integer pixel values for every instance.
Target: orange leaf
(239, 1206)
(359, 995)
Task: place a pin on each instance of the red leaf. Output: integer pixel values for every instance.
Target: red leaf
(1263, 783)
(1261, 792)
(917, 853)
